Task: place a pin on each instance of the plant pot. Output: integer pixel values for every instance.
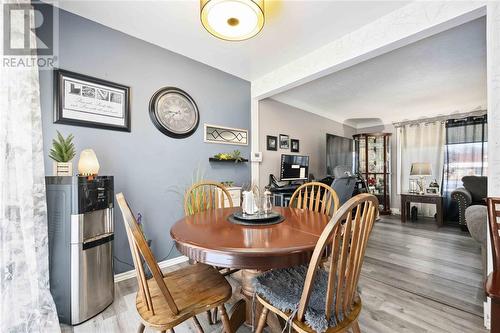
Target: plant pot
(63, 168)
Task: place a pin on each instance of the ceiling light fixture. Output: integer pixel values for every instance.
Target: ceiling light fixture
(232, 20)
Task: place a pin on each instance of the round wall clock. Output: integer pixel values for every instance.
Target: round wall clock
(174, 112)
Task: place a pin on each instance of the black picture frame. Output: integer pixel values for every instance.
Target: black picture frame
(284, 141)
(272, 142)
(294, 145)
(115, 90)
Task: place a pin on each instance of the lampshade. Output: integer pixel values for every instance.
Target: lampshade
(420, 169)
(88, 164)
(232, 20)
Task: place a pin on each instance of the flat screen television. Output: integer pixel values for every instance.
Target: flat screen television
(294, 167)
(339, 152)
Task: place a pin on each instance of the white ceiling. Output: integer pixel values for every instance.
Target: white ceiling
(438, 75)
(293, 28)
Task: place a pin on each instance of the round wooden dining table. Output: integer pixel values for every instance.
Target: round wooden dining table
(209, 237)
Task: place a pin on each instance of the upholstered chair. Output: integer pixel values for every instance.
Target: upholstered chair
(477, 223)
(474, 192)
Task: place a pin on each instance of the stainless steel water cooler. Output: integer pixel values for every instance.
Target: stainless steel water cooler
(81, 231)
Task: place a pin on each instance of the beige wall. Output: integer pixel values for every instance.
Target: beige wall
(277, 118)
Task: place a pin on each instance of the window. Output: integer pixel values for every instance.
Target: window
(465, 153)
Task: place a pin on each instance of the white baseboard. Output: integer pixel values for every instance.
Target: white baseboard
(487, 309)
(163, 264)
(395, 211)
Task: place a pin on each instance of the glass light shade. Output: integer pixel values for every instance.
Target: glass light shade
(232, 20)
(88, 164)
(420, 169)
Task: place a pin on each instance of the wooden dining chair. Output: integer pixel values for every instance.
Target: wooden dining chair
(313, 299)
(206, 195)
(492, 285)
(317, 197)
(203, 196)
(166, 300)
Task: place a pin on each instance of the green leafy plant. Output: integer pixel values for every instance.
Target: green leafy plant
(234, 156)
(198, 175)
(223, 156)
(63, 149)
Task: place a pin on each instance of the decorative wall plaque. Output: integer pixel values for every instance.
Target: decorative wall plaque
(226, 135)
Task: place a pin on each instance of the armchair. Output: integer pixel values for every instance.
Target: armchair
(474, 192)
(477, 223)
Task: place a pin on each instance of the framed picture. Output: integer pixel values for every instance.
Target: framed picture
(83, 100)
(272, 142)
(432, 190)
(284, 141)
(294, 146)
(413, 188)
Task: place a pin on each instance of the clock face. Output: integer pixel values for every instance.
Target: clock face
(174, 112)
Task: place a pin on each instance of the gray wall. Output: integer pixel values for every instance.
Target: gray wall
(388, 128)
(277, 118)
(151, 169)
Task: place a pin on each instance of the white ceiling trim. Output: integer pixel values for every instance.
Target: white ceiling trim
(401, 27)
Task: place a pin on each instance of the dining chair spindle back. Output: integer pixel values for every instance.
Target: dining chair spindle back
(346, 235)
(162, 301)
(317, 197)
(206, 195)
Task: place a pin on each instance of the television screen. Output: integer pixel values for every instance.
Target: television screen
(339, 152)
(294, 167)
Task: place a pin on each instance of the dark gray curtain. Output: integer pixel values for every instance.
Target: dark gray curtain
(465, 155)
(339, 151)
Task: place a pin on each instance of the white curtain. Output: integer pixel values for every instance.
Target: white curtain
(422, 142)
(26, 304)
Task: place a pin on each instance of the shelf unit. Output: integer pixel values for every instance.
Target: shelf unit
(213, 159)
(373, 162)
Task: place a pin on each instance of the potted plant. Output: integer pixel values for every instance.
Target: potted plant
(235, 156)
(62, 152)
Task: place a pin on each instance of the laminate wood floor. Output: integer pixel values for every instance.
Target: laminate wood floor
(415, 278)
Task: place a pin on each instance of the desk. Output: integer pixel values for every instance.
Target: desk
(282, 195)
(408, 198)
(208, 237)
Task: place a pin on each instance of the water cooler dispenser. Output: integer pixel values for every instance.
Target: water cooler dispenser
(81, 231)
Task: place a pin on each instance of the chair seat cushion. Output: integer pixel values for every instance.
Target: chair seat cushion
(282, 288)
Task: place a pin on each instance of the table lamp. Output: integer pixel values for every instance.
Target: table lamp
(88, 164)
(421, 170)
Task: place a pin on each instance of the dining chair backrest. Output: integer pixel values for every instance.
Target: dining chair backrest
(206, 195)
(494, 220)
(317, 197)
(347, 233)
(140, 250)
